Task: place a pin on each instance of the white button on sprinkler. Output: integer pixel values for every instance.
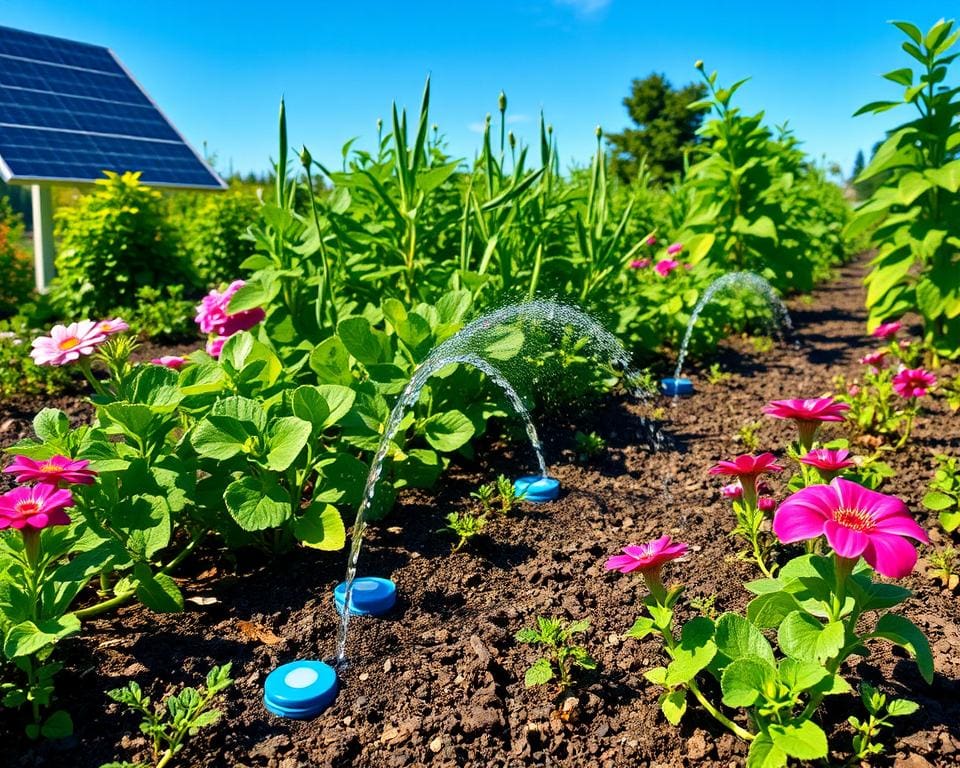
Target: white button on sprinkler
(300, 689)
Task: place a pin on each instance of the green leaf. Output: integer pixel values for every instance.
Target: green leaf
(257, 504)
(448, 431)
(765, 754)
(288, 437)
(540, 673)
(902, 707)
(657, 675)
(27, 637)
(361, 341)
(745, 680)
(804, 638)
(58, 726)
(673, 704)
(642, 627)
(804, 740)
(903, 76)
(51, 425)
(910, 30)
(331, 362)
(321, 527)
(694, 652)
(339, 400)
(769, 610)
(938, 501)
(157, 591)
(737, 638)
(903, 632)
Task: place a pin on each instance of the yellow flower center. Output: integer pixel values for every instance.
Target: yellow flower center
(50, 467)
(70, 343)
(28, 508)
(854, 519)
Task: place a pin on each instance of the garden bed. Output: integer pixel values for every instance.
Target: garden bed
(440, 680)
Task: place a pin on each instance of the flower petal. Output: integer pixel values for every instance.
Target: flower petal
(890, 555)
(846, 542)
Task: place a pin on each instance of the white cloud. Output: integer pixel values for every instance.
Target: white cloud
(584, 7)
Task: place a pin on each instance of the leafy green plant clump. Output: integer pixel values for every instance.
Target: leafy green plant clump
(563, 654)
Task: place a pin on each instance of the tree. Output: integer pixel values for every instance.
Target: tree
(665, 128)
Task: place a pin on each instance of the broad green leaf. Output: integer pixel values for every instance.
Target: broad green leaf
(765, 754)
(642, 627)
(156, 590)
(540, 673)
(801, 675)
(339, 400)
(768, 610)
(360, 339)
(673, 704)
(28, 637)
(331, 362)
(320, 527)
(737, 638)
(937, 501)
(448, 431)
(288, 437)
(693, 653)
(51, 425)
(903, 632)
(58, 725)
(804, 638)
(745, 680)
(804, 740)
(257, 504)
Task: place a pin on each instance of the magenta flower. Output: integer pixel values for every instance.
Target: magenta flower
(110, 327)
(766, 504)
(639, 263)
(212, 315)
(215, 346)
(34, 508)
(747, 466)
(57, 470)
(665, 266)
(874, 359)
(886, 330)
(647, 558)
(856, 521)
(674, 249)
(651, 240)
(828, 460)
(170, 361)
(913, 382)
(67, 343)
(853, 390)
(732, 491)
(807, 415)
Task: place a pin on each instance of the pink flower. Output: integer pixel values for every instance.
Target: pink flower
(57, 470)
(766, 504)
(732, 491)
(665, 266)
(913, 382)
(886, 330)
(213, 317)
(853, 390)
(828, 460)
(674, 249)
(807, 414)
(747, 466)
(171, 361)
(639, 263)
(215, 346)
(874, 358)
(646, 558)
(110, 327)
(856, 521)
(34, 508)
(67, 343)
(651, 240)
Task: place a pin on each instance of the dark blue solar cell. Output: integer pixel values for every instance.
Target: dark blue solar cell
(70, 111)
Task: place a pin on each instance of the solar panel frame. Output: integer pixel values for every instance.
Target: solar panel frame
(166, 141)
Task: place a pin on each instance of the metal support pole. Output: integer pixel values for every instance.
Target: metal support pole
(42, 236)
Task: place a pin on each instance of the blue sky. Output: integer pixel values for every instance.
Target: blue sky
(218, 69)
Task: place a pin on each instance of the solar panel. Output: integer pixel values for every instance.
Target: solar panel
(70, 111)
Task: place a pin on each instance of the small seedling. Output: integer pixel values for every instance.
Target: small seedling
(183, 714)
(589, 445)
(507, 495)
(945, 567)
(749, 436)
(762, 345)
(464, 525)
(706, 606)
(944, 494)
(485, 495)
(880, 711)
(951, 391)
(716, 375)
(563, 655)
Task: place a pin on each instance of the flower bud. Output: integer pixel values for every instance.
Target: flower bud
(698, 64)
(502, 102)
(305, 158)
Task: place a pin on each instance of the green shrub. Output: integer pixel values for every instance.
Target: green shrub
(162, 314)
(19, 375)
(113, 241)
(216, 238)
(16, 264)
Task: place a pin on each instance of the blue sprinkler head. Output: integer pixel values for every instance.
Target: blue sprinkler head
(681, 386)
(537, 489)
(371, 596)
(300, 689)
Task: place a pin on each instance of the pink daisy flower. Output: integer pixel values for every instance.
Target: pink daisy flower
(212, 315)
(215, 346)
(874, 359)
(807, 414)
(57, 470)
(110, 327)
(747, 465)
(856, 521)
(639, 263)
(34, 508)
(828, 460)
(66, 343)
(674, 249)
(886, 330)
(665, 266)
(646, 558)
(171, 361)
(913, 382)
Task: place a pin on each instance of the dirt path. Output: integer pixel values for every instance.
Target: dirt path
(439, 681)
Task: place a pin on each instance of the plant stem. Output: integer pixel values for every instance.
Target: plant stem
(717, 715)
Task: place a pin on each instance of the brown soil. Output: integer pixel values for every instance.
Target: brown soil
(439, 681)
